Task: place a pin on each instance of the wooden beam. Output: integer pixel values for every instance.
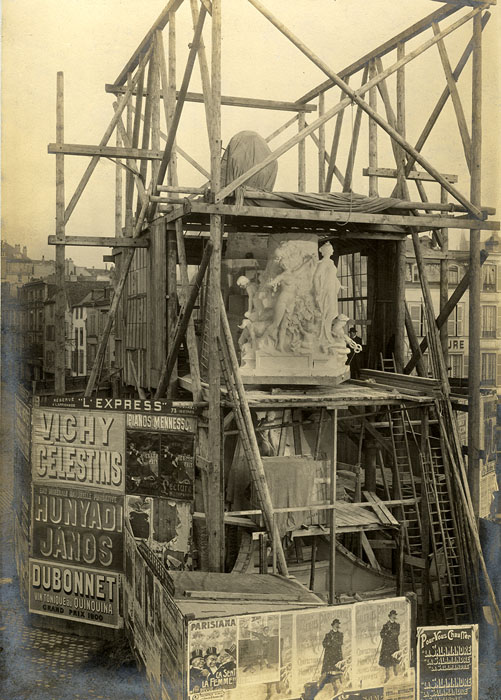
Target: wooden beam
(102, 241)
(411, 175)
(60, 306)
(182, 325)
(321, 146)
(301, 157)
(106, 137)
(145, 44)
(348, 176)
(456, 100)
(444, 96)
(373, 184)
(204, 71)
(179, 108)
(331, 216)
(445, 312)
(78, 149)
(355, 96)
(382, 50)
(332, 169)
(215, 495)
(474, 362)
(468, 3)
(233, 101)
(332, 514)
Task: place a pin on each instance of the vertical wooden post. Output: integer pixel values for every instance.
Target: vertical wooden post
(60, 340)
(474, 329)
(444, 283)
(373, 183)
(301, 156)
(321, 145)
(171, 274)
(400, 245)
(215, 526)
(425, 519)
(333, 475)
(118, 190)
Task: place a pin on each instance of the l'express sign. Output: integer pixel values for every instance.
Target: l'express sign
(79, 448)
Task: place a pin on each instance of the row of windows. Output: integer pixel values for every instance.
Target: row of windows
(455, 322)
(489, 274)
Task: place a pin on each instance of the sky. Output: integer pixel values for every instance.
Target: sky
(91, 40)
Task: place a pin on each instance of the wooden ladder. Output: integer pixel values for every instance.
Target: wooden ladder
(445, 538)
(406, 485)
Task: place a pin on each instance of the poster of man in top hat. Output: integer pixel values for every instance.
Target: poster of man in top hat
(324, 652)
(382, 642)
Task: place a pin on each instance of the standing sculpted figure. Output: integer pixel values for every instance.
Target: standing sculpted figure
(326, 288)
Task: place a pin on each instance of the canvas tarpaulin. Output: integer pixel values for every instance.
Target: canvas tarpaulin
(244, 150)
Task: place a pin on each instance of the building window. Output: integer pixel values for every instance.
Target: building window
(51, 333)
(80, 362)
(489, 368)
(453, 274)
(488, 277)
(488, 321)
(352, 274)
(455, 365)
(455, 323)
(81, 336)
(416, 311)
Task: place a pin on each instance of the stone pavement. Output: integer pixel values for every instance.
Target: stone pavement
(39, 664)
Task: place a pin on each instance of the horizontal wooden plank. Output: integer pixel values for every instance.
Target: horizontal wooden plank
(413, 174)
(231, 100)
(468, 3)
(101, 241)
(334, 216)
(80, 149)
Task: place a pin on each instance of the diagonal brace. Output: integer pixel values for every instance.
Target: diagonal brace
(354, 96)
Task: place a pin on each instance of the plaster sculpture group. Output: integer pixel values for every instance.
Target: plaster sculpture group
(292, 329)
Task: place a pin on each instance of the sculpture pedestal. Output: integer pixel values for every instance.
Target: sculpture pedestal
(288, 368)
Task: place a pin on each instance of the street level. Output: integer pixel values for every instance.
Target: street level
(37, 663)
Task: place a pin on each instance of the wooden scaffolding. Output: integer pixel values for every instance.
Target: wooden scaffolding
(162, 226)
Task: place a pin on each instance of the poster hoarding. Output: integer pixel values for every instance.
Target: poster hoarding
(79, 448)
(447, 662)
(160, 455)
(77, 526)
(74, 593)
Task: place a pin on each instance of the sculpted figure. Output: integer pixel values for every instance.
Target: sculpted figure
(286, 283)
(340, 339)
(326, 288)
(251, 288)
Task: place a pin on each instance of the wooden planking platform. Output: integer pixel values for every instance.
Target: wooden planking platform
(350, 393)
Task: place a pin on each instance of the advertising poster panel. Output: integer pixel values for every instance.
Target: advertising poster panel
(212, 656)
(173, 655)
(324, 649)
(23, 426)
(259, 649)
(381, 648)
(74, 593)
(160, 453)
(79, 448)
(77, 526)
(447, 662)
(166, 526)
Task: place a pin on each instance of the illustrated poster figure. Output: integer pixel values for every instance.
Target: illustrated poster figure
(389, 657)
(198, 671)
(333, 656)
(326, 288)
